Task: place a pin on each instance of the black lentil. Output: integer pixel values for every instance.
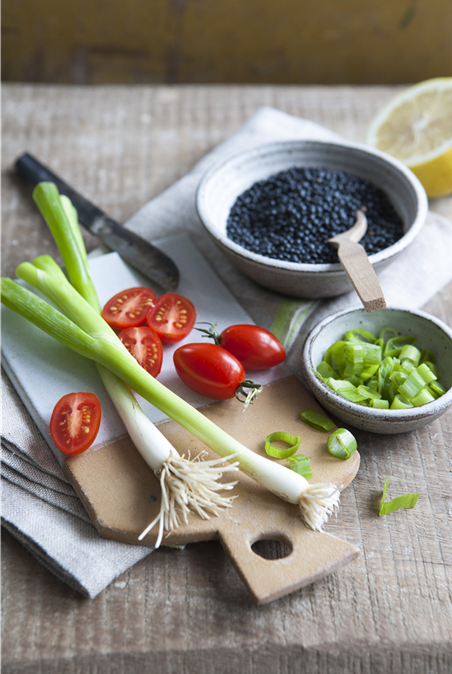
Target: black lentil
(290, 215)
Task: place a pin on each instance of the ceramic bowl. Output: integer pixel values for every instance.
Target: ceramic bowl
(430, 332)
(228, 179)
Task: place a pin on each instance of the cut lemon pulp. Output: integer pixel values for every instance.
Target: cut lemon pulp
(416, 127)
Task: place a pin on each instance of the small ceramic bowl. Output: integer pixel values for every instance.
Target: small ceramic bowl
(227, 180)
(430, 333)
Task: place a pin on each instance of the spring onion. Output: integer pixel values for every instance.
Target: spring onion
(405, 501)
(170, 468)
(281, 436)
(318, 421)
(384, 372)
(82, 328)
(301, 465)
(341, 443)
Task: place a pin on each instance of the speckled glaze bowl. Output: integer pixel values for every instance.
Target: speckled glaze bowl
(228, 179)
(430, 332)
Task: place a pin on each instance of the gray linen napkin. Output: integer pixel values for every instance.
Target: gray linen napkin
(39, 505)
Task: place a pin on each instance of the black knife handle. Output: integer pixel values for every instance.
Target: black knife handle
(137, 251)
(35, 172)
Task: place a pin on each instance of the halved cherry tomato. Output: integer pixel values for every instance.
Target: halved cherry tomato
(255, 347)
(145, 346)
(128, 308)
(172, 317)
(75, 421)
(209, 370)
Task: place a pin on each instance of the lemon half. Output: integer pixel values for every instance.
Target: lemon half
(416, 127)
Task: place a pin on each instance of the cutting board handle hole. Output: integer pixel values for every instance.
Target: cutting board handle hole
(272, 547)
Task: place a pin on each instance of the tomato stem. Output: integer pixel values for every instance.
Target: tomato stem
(251, 395)
(211, 332)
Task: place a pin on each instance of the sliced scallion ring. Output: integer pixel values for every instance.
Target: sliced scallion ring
(405, 501)
(301, 465)
(281, 436)
(318, 421)
(342, 444)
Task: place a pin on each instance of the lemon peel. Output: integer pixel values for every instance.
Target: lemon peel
(415, 126)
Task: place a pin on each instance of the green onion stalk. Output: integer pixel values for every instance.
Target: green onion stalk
(75, 323)
(185, 484)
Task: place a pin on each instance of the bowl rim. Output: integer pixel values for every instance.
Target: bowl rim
(429, 409)
(334, 267)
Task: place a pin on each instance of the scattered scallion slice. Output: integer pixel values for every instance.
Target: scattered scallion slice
(318, 421)
(281, 436)
(405, 501)
(342, 444)
(301, 465)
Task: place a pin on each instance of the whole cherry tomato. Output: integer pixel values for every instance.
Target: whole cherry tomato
(255, 347)
(209, 370)
(172, 317)
(128, 308)
(145, 346)
(75, 422)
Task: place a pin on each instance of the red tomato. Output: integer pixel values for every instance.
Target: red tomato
(75, 421)
(172, 317)
(255, 347)
(145, 346)
(128, 308)
(209, 370)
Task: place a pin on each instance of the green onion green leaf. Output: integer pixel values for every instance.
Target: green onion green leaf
(405, 501)
(301, 465)
(318, 421)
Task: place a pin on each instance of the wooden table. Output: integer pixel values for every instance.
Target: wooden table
(187, 611)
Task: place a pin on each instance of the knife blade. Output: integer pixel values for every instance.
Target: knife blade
(145, 257)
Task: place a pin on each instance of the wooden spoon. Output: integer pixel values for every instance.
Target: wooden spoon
(354, 259)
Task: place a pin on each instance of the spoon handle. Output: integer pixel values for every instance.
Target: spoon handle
(362, 275)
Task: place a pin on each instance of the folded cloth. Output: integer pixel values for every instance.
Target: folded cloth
(39, 505)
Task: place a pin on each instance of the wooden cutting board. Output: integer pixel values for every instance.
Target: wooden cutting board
(122, 495)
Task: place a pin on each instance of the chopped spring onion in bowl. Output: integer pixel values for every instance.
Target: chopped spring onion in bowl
(340, 362)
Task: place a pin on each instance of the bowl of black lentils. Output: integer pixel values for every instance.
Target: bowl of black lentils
(272, 208)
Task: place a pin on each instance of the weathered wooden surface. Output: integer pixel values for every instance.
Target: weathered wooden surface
(188, 611)
(226, 41)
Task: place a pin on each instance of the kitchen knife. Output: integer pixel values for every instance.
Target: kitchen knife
(138, 252)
